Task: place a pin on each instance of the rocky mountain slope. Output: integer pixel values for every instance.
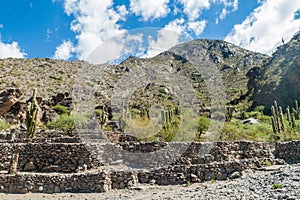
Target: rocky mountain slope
(53, 76)
(246, 77)
(279, 78)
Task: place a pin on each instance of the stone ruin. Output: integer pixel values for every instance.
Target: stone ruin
(92, 161)
(53, 163)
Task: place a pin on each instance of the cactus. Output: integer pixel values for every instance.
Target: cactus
(293, 120)
(102, 117)
(297, 113)
(274, 126)
(163, 117)
(228, 114)
(31, 116)
(278, 118)
(288, 116)
(281, 119)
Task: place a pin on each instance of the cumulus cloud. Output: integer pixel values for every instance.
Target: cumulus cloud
(263, 30)
(113, 50)
(122, 11)
(229, 7)
(95, 22)
(150, 9)
(12, 50)
(193, 8)
(167, 37)
(64, 51)
(197, 27)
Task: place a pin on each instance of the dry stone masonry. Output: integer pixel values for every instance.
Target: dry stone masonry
(56, 163)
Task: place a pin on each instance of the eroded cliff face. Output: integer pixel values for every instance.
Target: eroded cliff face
(279, 78)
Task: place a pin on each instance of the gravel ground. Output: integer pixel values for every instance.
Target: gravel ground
(252, 185)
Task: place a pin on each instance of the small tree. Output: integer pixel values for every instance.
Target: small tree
(203, 125)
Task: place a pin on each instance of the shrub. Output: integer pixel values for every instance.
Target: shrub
(203, 125)
(4, 125)
(259, 108)
(60, 109)
(67, 122)
(276, 186)
(188, 184)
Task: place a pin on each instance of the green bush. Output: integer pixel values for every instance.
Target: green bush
(67, 122)
(235, 130)
(259, 108)
(276, 186)
(203, 125)
(60, 109)
(4, 125)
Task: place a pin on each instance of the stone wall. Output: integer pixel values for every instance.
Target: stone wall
(288, 151)
(101, 167)
(48, 157)
(50, 183)
(102, 181)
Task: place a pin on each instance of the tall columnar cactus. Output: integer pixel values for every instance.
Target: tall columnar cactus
(293, 120)
(288, 116)
(281, 119)
(277, 118)
(297, 113)
(163, 117)
(274, 125)
(228, 114)
(31, 116)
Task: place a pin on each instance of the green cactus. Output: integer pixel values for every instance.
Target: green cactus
(297, 113)
(228, 114)
(31, 116)
(288, 116)
(277, 119)
(163, 117)
(281, 119)
(274, 126)
(293, 120)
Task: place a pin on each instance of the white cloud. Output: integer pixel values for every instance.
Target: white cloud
(197, 27)
(175, 32)
(112, 50)
(12, 50)
(193, 8)
(1, 25)
(150, 9)
(177, 25)
(64, 51)
(122, 11)
(263, 29)
(95, 22)
(167, 37)
(229, 7)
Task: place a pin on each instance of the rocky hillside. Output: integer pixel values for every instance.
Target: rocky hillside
(279, 78)
(199, 61)
(53, 76)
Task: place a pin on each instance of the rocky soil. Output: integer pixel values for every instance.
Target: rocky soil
(252, 185)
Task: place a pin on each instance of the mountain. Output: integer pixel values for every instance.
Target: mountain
(202, 67)
(279, 78)
(54, 76)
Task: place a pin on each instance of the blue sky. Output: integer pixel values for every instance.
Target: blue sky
(72, 29)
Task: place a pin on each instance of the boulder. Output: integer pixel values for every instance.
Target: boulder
(250, 121)
(7, 99)
(30, 166)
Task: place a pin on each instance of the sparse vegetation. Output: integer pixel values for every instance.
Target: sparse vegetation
(67, 123)
(4, 125)
(60, 109)
(276, 186)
